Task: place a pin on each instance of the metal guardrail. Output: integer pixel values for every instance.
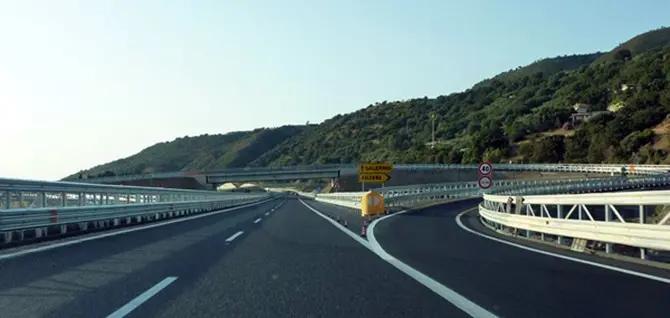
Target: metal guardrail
(612, 218)
(432, 192)
(37, 208)
(17, 193)
(593, 168)
(39, 222)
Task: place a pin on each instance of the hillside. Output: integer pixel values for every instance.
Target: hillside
(639, 44)
(511, 117)
(547, 67)
(524, 115)
(206, 152)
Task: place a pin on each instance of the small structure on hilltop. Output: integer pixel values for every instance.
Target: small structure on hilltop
(584, 113)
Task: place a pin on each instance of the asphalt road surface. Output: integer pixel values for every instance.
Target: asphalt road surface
(512, 282)
(252, 262)
(284, 259)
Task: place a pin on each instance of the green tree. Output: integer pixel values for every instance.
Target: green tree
(597, 146)
(549, 149)
(623, 55)
(576, 147)
(454, 156)
(493, 155)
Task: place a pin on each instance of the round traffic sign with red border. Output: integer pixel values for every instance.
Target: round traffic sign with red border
(485, 168)
(485, 182)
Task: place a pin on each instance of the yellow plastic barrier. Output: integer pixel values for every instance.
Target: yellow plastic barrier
(372, 203)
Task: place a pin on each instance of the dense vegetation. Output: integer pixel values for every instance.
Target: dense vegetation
(522, 115)
(547, 67)
(206, 152)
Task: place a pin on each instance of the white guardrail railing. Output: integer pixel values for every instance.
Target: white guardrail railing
(409, 195)
(353, 168)
(560, 208)
(638, 219)
(30, 209)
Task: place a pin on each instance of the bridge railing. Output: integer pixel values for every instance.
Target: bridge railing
(408, 195)
(567, 211)
(33, 209)
(588, 168)
(18, 193)
(637, 219)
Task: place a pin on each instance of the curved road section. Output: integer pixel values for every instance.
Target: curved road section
(526, 280)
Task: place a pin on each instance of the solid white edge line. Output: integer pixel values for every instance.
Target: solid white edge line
(447, 294)
(443, 291)
(124, 231)
(257, 220)
(527, 248)
(142, 298)
(339, 226)
(234, 236)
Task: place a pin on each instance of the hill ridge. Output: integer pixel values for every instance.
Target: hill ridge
(513, 116)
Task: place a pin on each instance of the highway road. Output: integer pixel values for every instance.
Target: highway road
(277, 259)
(287, 258)
(513, 282)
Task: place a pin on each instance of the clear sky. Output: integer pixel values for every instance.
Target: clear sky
(86, 82)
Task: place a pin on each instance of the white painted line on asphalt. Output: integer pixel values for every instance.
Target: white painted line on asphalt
(582, 261)
(443, 291)
(234, 236)
(257, 220)
(142, 298)
(267, 213)
(339, 226)
(447, 294)
(119, 232)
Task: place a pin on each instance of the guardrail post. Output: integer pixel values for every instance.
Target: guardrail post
(63, 199)
(643, 220)
(41, 199)
(608, 246)
(579, 212)
(6, 202)
(20, 194)
(559, 211)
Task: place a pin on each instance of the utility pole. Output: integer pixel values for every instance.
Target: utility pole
(432, 145)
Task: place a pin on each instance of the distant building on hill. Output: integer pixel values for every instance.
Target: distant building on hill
(584, 113)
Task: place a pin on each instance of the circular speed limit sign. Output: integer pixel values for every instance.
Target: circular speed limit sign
(485, 168)
(485, 182)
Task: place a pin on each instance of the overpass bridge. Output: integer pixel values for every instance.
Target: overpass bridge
(211, 179)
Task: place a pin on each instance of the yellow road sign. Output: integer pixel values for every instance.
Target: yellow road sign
(375, 168)
(373, 178)
(372, 203)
